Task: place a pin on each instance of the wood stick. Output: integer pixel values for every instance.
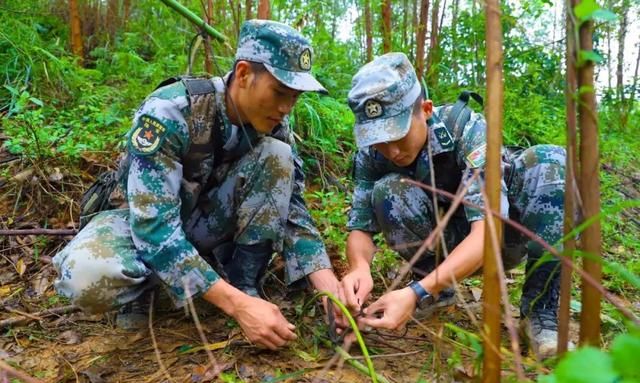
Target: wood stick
(18, 374)
(29, 317)
(38, 231)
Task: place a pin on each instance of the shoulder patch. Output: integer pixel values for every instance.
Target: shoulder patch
(444, 137)
(477, 157)
(147, 136)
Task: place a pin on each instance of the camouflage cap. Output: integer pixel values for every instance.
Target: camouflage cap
(285, 53)
(381, 97)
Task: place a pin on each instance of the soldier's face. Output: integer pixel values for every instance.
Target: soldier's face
(404, 151)
(265, 101)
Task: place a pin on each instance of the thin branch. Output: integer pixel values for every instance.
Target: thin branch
(25, 318)
(534, 237)
(163, 368)
(37, 231)
(18, 374)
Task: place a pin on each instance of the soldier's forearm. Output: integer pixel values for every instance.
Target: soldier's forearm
(360, 249)
(463, 261)
(224, 296)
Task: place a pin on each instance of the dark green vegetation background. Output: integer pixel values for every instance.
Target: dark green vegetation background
(64, 122)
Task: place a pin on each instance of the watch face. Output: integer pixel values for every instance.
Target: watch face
(426, 301)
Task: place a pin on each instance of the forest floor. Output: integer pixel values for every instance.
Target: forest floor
(53, 343)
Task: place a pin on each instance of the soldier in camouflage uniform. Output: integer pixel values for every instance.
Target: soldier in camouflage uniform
(396, 128)
(179, 216)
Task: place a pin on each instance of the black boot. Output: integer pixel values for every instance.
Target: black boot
(539, 306)
(248, 265)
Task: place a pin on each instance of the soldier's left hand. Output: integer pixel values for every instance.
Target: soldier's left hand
(325, 280)
(391, 311)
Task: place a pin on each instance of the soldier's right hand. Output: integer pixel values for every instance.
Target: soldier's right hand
(263, 323)
(357, 285)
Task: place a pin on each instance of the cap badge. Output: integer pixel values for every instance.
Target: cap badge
(372, 109)
(305, 59)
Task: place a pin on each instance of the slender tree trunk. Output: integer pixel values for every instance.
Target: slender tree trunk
(622, 33)
(570, 182)
(609, 69)
(386, 26)
(432, 71)
(368, 29)
(208, 53)
(414, 29)
(454, 38)
(405, 17)
(112, 19)
(632, 94)
(421, 36)
(494, 112)
(126, 7)
(248, 12)
(235, 15)
(77, 46)
(590, 193)
(264, 11)
(476, 67)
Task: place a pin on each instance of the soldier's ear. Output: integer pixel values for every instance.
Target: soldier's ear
(427, 108)
(242, 74)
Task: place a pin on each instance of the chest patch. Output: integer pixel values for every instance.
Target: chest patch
(477, 157)
(147, 136)
(444, 137)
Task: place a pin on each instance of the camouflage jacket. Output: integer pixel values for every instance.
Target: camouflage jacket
(161, 200)
(467, 151)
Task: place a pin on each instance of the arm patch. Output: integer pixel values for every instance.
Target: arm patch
(147, 136)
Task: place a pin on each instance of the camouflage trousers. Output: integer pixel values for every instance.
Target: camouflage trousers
(405, 214)
(101, 268)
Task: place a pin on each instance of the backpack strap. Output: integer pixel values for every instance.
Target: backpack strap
(461, 112)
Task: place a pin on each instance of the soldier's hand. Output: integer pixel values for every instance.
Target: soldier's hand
(263, 323)
(325, 280)
(391, 311)
(357, 286)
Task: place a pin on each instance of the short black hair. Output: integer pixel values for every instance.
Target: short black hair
(417, 105)
(256, 67)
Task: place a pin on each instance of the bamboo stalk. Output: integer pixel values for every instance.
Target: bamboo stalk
(195, 19)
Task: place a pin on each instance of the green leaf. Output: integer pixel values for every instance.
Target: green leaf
(585, 9)
(585, 55)
(36, 101)
(625, 351)
(586, 365)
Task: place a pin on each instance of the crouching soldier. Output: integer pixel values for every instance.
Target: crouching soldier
(210, 178)
(396, 128)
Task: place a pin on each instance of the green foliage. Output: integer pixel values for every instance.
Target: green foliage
(591, 365)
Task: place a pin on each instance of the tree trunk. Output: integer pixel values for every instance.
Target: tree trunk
(632, 94)
(477, 76)
(368, 29)
(77, 46)
(432, 71)
(126, 7)
(570, 182)
(235, 15)
(248, 12)
(386, 26)
(264, 10)
(454, 38)
(622, 33)
(208, 53)
(414, 29)
(494, 111)
(112, 19)
(421, 36)
(405, 17)
(609, 69)
(590, 193)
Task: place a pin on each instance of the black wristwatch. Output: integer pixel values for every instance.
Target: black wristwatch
(423, 297)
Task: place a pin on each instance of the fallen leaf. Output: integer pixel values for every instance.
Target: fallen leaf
(477, 293)
(70, 337)
(40, 284)
(4, 291)
(21, 267)
(56, 175)
(96, 373)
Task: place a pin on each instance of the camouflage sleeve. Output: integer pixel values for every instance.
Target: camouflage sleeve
(155, 144)
(303, 249)
(361, 215)
(472, 149)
